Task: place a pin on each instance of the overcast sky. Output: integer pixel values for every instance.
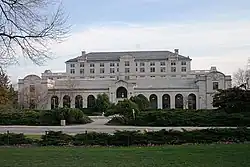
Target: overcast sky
(211, 32)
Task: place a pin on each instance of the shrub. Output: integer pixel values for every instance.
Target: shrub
(14, 139)
(72, 116)
(90, 112)
(141, 101)
(186, 118)
(56, 139)
(19, 118)
(124, 108)
(129, 138)
(162, 137)
(92, 138)
(45, 117)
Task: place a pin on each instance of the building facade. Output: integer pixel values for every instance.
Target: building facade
(164, 77)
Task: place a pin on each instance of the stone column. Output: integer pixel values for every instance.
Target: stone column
(85, 104)
(159, 102)
(60, 101)
(72, 104)
(172, 101)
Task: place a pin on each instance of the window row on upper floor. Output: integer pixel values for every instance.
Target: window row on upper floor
(128, 70)
(127, 63)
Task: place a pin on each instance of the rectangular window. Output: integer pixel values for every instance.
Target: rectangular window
(117, 64)
(142, 69)
(152, 63)
(163, 76)
(72, 71)
(112, 64)
(117, 69)
(173, 69)
(72, 65)
(101, 64)
(32, 88)
(92, 71)
(127, 70)
(183, 69)
(142, 64)
(101, 76)
(142, 76)
(92, 65)
(152, 76)
(163, 63)
(126, 77)
(102, 70)
(126, 63)
(92, 77)
(136, 64)
(136, 69)
(215, 85)
(173, 63)
(183, 63)
(152, 69)
(81, 71)
(81, 64)
(112, 70)
(163, 69)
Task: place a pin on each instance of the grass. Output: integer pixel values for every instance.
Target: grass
(36, 137)
(219, 155)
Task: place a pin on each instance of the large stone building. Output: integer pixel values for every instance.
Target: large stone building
(164, 77)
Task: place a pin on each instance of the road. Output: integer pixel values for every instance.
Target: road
(96, 126)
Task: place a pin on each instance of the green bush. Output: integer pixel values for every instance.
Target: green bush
(14, 139)
(186, 118)
(19, 118)
(124, 108)
(56, 139)
(71, 115)
(44, 117)
(162, 137)
(90, 112)
(129, 138)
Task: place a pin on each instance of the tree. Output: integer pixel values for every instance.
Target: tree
(240, 77)
(233, 99)
(29, 27)
(4, 88)
(142, 102)
(8, 96)
(34, 96)
(102, 103)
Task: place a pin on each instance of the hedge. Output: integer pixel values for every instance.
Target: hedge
(44, 117)
(185, 118)
(133, 138)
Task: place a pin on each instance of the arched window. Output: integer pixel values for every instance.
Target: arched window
(192, 101)
(121, 92)
(78, 101)
(91, 101)
(179, 101)
(153, 101)
(66, 101)
(54, 102)
(165, 101)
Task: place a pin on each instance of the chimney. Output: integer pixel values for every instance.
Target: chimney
(176, 51)
(83, 53)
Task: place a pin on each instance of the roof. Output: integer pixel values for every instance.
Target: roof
(138, 55)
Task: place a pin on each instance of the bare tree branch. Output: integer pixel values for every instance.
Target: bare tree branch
(28, 27)
(240, 77)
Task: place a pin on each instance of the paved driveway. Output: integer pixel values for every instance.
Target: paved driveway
(97, 126)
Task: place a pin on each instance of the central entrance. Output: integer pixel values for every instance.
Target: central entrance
(121, 92)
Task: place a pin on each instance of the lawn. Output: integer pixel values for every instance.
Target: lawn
(219, 155)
